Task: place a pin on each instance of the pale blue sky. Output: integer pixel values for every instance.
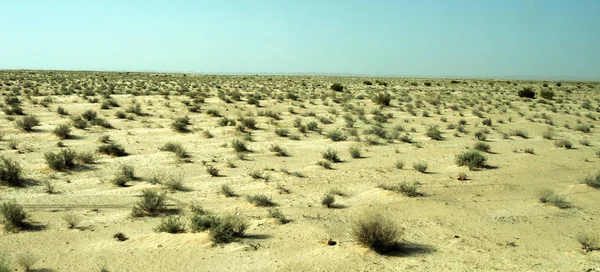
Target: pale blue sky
(429, 38)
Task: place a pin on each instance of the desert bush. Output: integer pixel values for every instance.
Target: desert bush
(434, 133)
(337, 87)
(27, 123)
(120, 114)
(487, 122)
(563, 143)
(282, 132)
(71, 219)
(549, 196)
(62, 160)
(212, 170)
(60, 110)
(5, 265)
(228, 229)
(261, 200)
(355, 152)
(472, 159)
(89, 115)
(420, 166)
(331, 155)
(376, 232)
(324, 164)
(79, 123)
(249, 123)
(86, 157)
(336, 135)
(583, 128)
(171, 224)
(383, 99)
(480, 135)
(482, 146)
(180, 124)
(277, 214)
(100, 122)
(526, 92)
(593, 181)
(328, 200)
(62, 131)
(176, 148)
(588, 242)
(10, 172)
(202, 222)
(279, 151)
(13, 216)
(227, 191)
(174, 182)
(409, 188)
(547, 94)
(520, 133)
(239, 146)
(27, 261)
(151, 204)
(112, 149)
(399, 164)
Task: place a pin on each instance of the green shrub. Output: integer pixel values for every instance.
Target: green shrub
(520, 133)
(275, 213)
(5, 265)
(176, 148)
(171, 224)
(336, 136)
(355, 152)
(279, 151)
(10, 172)
(547, 94)
(249, 123)
(482, 146)
(79, 123)
(62, 131)
(89, 115)
(420, 166)
(588, 242)
(328, 200)
(261, 200)
(583, 128)
(239, 146)
(27, 123)
(376, 232)
(526, 92)
(228, 229)
(434, 133)
(13, 216)
(382, 99)
(151, 204)
(64, 159)
(409, 188)
(174, 182)
(331, 155)
(337, 87)
(86, 157)
(100, 122)
(60, 110)
(112, 149)
(71, 219)
(472, 159)
(202, 222)
(227, 191)
(180, 124)
(549, 196)
(282, 132)
(324, 164)
(27, 261)
(593, 181)
(563, 143)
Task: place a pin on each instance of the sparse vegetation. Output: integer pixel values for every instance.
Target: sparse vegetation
(376, 232)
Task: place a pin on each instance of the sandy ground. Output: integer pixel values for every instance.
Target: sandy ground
(491, 222)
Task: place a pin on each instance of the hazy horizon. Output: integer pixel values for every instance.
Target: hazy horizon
(510, 39)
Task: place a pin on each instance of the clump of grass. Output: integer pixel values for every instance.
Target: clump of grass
(202, 222)
(261, 200)
(336, 136)
(49, 187)
(5, 265)
(376, 232)
(89, 115)
(355, 152)
(328, 200)
(399, 164)
(277, 214)
(62, 131)
(279, 151)
(407, 188)
(174, 182)
(181, 124)
(239, 146)
(282, 132)
(331, 155)
(13, 216)
(420, 166)
(151, 204)
(227, 191)
(549, 196)
(176, 148)
(10, 172)
(104, 139)
(86, 157)
(472, 159)
(112, 149)
(434, 133)
(249, 123)
(71, 219)
(583, 128)
(171, 224)
(482, 146)
(563, 143)
(27, 261)
(212, 170)
(228, 229)
(520, 133)
(324, 164)
(60, 110)
(27, 123)
(529, 150)
(588, 242)
(62, 160)
(593, 181)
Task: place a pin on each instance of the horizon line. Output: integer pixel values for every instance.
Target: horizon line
(212, 73)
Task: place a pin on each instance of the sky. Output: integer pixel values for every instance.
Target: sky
(420, 38)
